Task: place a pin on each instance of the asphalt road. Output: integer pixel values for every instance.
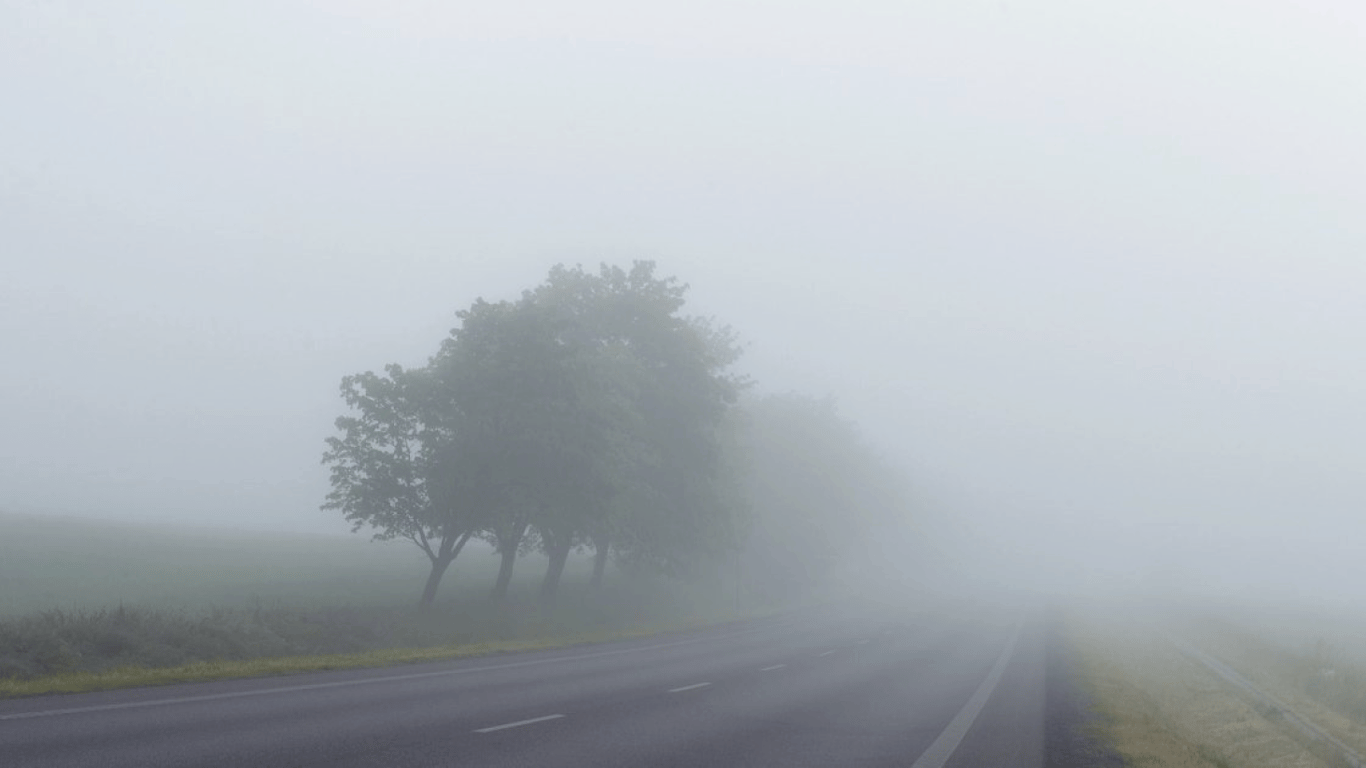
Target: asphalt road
(855, 686)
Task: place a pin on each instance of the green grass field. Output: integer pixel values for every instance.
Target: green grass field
(69, 563)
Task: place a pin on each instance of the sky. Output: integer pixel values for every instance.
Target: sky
(1091, 273)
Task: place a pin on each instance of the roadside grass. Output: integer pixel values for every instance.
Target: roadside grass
(56, 650)
(1318, 682)
(1328, 677)
(141, 606)
(202, 671)
(1160, 708)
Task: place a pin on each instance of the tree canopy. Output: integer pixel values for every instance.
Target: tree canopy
(585, 412)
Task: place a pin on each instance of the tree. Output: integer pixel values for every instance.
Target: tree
(393, 470)
(658, 389)
(518, 386)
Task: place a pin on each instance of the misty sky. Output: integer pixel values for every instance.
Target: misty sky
(1093, 273)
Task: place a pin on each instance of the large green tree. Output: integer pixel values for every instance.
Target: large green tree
(539, 403)
(665, 386)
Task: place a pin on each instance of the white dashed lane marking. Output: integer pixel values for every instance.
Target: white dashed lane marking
(517, 724)
(692, 687)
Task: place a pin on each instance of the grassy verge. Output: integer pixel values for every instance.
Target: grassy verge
(1159, 707)
(1316, 682)
(135, 676)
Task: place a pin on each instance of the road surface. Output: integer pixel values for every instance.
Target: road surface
(853, 686)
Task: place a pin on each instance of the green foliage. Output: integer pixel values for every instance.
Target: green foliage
(396, 468)
(377, 462)
(662, 396)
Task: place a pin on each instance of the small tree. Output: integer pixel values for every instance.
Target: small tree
(395, 469)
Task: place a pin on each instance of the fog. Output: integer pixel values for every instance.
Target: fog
(1091, 274)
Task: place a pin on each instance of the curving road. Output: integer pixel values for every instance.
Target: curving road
(853, 686)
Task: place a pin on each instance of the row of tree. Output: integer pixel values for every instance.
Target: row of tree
(820, 502)
(591, 413)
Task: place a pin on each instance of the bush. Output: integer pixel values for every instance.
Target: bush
(64, 641)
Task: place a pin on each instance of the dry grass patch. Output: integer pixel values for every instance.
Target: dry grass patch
(1160, 708)
(1324, 689)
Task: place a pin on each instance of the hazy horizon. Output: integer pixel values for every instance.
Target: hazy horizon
(1091, 276)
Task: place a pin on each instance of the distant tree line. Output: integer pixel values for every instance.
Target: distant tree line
(592, 414)
(820, 502)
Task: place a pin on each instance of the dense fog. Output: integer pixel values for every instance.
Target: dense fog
(1091, 277)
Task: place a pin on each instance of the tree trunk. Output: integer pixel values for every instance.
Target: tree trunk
(507, 549)
(439, 566)
(600, 560)
(445, 555)
(500, 587)
(551, 583)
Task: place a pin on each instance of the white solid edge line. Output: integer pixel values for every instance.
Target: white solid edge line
(517, 724)
(827, 653)
(694, 686)
(942, 748)
(775, 666)
(363, 681)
